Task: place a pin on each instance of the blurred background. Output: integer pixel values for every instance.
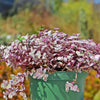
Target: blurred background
(30, 16)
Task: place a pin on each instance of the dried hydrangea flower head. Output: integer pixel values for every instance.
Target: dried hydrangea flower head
(52, 51)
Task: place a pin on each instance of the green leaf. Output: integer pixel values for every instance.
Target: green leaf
(97, 96)
(38, 31)
(42, 25)
(42, 29)
(19, 38)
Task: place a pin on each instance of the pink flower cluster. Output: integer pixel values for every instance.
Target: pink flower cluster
(54, 51)
(14, 86)
(71, 86)
(40, 73)
(50, 51)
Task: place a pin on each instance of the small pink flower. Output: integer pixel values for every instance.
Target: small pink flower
(57, 29)
(23, 95)
(45, 77)
(97, 75)
(40, 73)
(71, 86)
(74, 88)
(11, 94)
(67, 86)
(97, 57)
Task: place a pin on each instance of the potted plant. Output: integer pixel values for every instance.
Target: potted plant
(55, 63)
